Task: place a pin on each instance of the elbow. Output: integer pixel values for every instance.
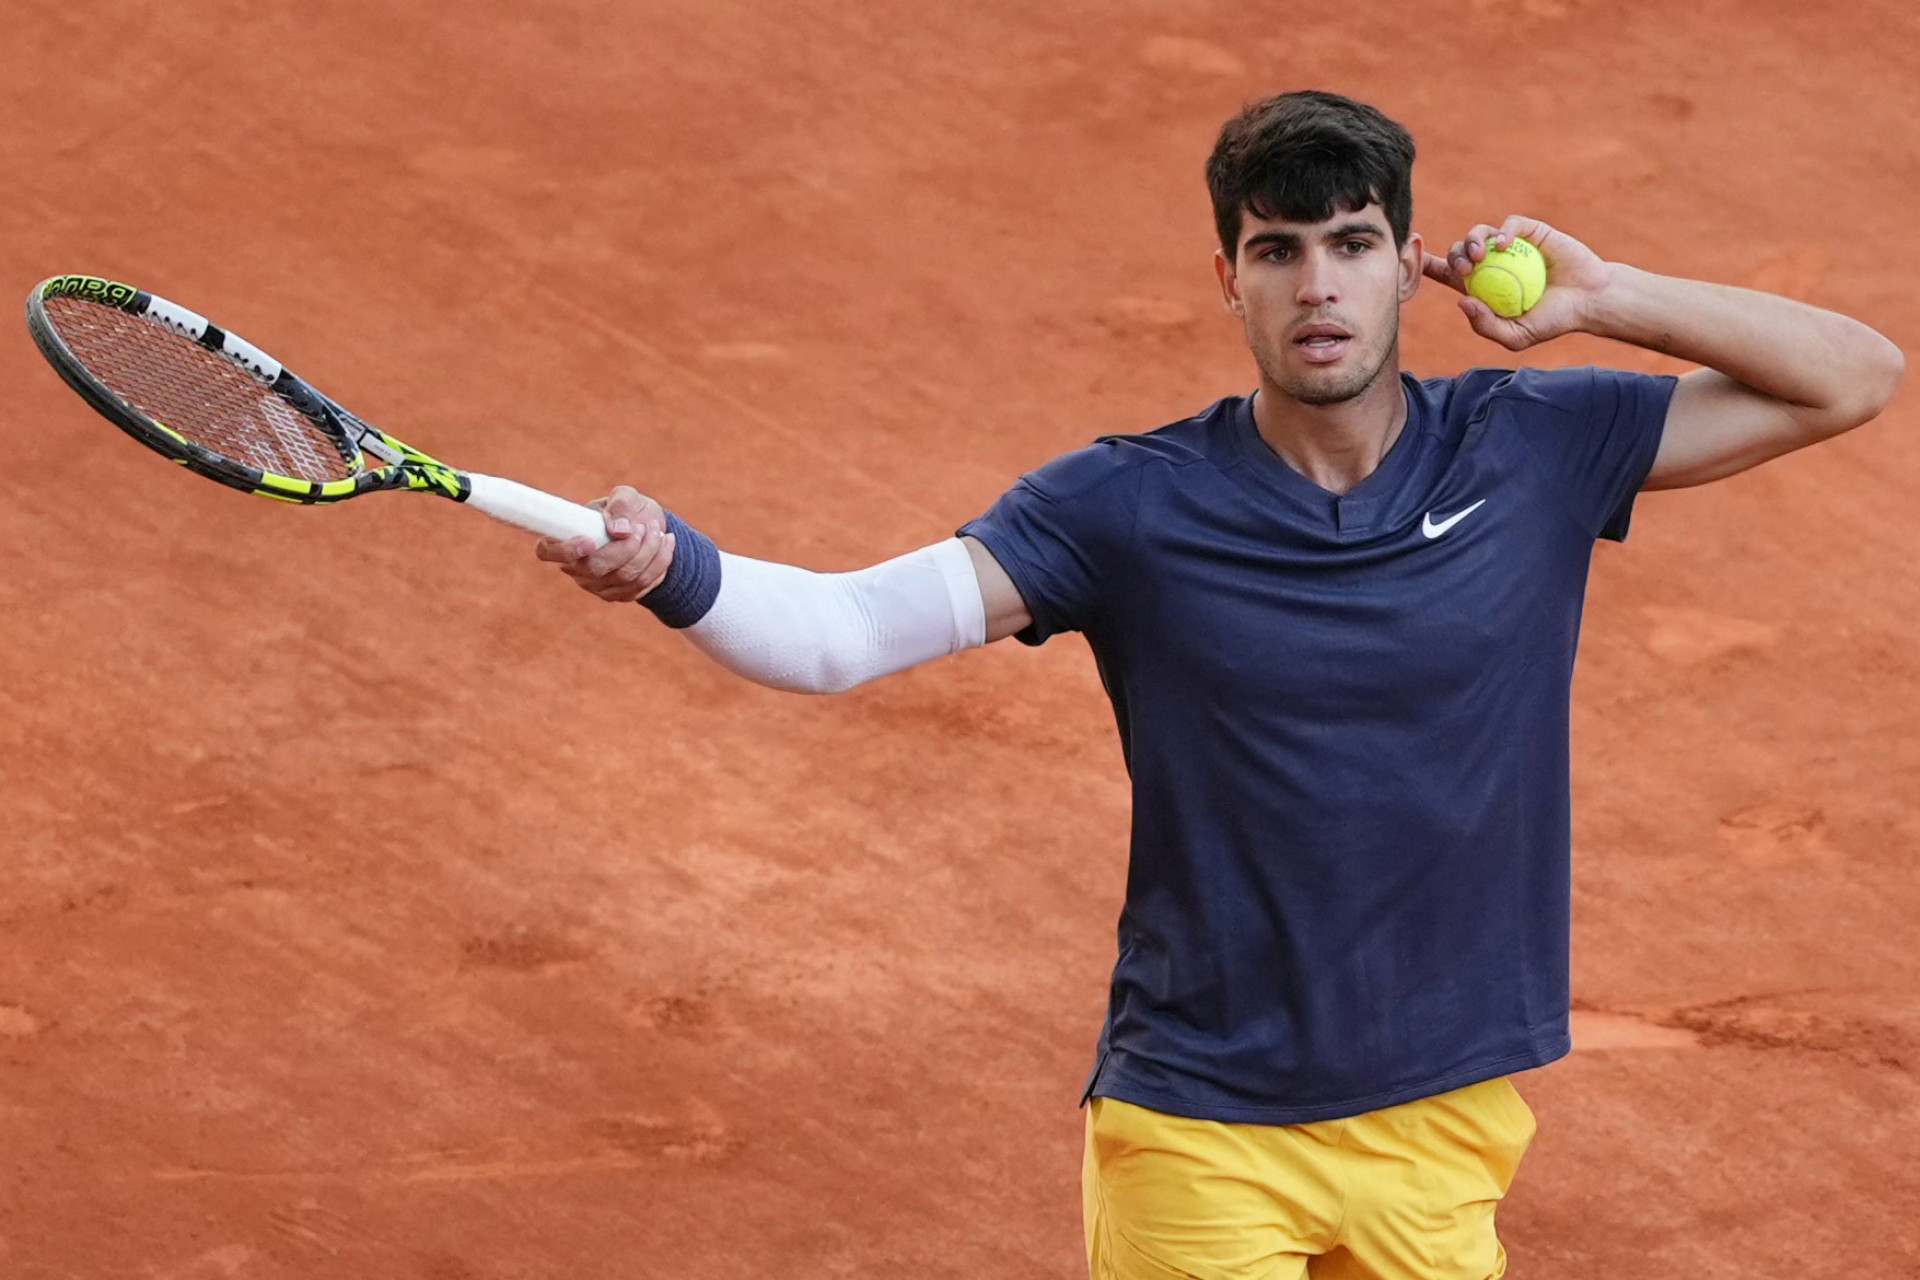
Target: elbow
(834, 679)
(1893, 369)
(815, 680)
(1871, 386)
(825, 674)
(1881, 377)
(834, 669)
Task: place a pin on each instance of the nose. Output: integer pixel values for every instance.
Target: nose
(1315, 285)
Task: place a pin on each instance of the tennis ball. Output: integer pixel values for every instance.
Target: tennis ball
(1509, 280)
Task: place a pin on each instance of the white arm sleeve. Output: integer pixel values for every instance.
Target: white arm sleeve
(790, 628)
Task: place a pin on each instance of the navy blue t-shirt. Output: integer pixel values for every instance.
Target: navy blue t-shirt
(1345, 718)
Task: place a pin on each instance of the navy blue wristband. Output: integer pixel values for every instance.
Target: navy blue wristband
(693, 579)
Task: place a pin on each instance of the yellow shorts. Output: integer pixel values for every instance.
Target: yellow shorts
(1397, 1194)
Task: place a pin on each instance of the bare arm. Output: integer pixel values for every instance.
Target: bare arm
(1006, 611)
(1779, 374)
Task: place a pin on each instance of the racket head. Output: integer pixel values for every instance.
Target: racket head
(213, 402)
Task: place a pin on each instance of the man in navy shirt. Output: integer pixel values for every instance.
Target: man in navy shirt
(1337, 620)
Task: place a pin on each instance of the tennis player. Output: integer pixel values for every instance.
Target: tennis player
(1336, 618)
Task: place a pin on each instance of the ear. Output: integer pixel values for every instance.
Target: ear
(1229, 283)
(1412, 258)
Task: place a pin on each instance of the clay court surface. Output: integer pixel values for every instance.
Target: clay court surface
(378, 905)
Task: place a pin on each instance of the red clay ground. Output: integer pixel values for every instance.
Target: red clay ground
(462, 928)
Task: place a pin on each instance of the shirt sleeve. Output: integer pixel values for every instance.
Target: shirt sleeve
(1060, 533)
(1598, 447)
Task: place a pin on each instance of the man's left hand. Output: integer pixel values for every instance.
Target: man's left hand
(1576, 276)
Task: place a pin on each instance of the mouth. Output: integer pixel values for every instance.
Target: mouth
(1322, 343)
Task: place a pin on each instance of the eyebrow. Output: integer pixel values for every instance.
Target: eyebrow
(1287, 239)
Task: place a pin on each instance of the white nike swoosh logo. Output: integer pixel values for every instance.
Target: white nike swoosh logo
(1433, 529)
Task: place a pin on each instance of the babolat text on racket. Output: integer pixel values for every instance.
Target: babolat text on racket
(219, 406)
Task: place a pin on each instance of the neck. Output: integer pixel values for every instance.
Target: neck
(1334, 445)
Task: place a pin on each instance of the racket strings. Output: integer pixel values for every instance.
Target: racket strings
(195, 392)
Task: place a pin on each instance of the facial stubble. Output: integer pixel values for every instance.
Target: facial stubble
(1341, 392)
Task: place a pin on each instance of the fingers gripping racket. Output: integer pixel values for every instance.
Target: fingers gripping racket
(221, 407)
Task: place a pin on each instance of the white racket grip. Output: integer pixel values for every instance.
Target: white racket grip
(534, 511)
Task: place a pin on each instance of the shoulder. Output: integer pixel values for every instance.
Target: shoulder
(1096, 468)
(1490, 405)
(1478, 392)
(1577, 390)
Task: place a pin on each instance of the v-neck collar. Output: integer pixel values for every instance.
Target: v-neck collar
(1356, 510)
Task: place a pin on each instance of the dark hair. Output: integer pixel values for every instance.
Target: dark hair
(1300, 156)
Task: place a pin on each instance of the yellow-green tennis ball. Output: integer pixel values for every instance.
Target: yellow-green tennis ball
(1509, 280)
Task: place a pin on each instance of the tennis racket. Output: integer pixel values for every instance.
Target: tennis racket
(222, 408)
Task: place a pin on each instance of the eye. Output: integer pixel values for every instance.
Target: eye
(1277, 253)
(1354, 248)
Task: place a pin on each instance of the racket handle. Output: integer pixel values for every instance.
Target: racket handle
(534, 511)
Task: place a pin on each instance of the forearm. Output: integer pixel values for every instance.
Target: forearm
(805, 632)
(1799, 354)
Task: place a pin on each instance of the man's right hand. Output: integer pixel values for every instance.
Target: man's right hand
(632, 563)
